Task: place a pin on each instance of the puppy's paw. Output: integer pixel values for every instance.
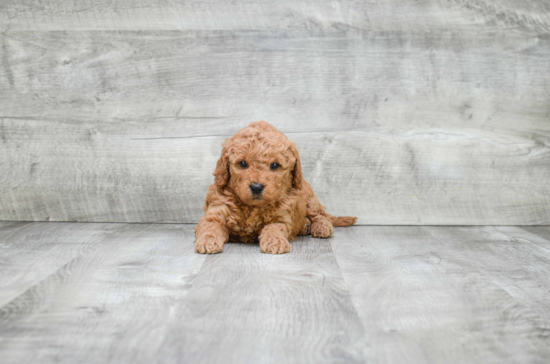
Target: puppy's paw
(274, 244)
(307, 227)
(321, 228)
(208, 245)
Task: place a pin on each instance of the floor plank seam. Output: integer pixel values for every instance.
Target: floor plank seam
(92, 248)
(347, 285)
(534, 318)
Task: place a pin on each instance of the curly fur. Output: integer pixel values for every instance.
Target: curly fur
(286, 208)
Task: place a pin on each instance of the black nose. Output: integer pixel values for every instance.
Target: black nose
(256, 188)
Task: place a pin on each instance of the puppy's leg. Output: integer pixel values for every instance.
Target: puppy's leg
(274, 239)
(211, 233)
(307, 227)
(321, 227)
(210, 237)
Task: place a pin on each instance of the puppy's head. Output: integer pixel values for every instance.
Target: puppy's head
(259, 165)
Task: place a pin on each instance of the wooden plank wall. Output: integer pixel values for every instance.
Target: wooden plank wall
(405, 112)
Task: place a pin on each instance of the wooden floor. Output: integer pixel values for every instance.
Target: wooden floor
(130, 293)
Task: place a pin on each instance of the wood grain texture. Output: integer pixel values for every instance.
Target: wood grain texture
(541, 231)
(31, 252)
(442, 294)
(515, 260)
(404, 178)
(138, 298)
(246, 306)
(112, 304)
(417, 112)
(381, 294)
(393, 15)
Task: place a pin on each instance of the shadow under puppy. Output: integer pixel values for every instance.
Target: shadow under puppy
(259, 194)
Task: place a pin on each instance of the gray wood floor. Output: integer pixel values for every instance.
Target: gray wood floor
(97, 292)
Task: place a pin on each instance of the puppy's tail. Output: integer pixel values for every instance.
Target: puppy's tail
(342, 220)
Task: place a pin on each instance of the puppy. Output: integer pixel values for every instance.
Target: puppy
(259, 195)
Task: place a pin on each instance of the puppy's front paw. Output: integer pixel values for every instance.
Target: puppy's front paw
(208, 245)
(321, 228)
(274, 244)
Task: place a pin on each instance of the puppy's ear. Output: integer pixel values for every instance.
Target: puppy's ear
(297, 172)
(221, 173)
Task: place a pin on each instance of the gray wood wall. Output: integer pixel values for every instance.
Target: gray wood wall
(405, 112)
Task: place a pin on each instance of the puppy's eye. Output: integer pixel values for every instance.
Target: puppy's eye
(243, 164)
(274, 166)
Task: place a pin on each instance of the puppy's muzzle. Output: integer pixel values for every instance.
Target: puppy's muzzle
(256, 189)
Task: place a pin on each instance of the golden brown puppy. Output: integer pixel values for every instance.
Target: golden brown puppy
(259, 194)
